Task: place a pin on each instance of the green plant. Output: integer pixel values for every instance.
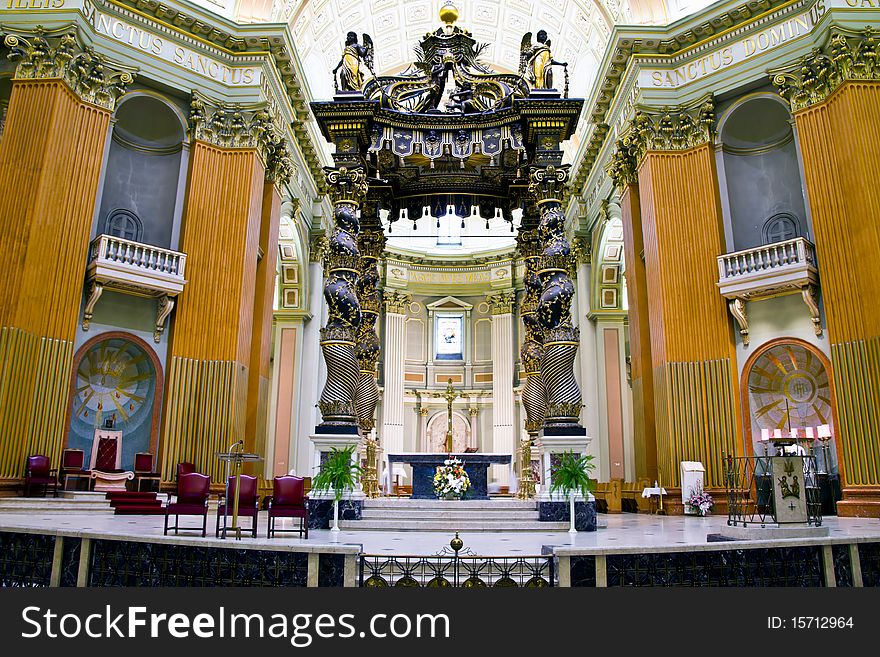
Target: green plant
(339, 472)
(571, 474)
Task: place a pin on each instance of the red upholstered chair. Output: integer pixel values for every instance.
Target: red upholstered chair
(38, 473)
(184, 467)
(105, 457)
(72, 467)
(288, 501)
(143, 469)
(248, 502)
(192, 500)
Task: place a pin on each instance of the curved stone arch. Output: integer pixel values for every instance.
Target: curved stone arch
(181, 116)
(607, 285)
(761, 351)
(437, 425)
(159, 384)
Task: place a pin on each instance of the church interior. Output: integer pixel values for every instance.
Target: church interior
(582, 285)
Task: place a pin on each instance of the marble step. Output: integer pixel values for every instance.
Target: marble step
(449, 514)
(405, 503)
(55, 505)
(412, 525)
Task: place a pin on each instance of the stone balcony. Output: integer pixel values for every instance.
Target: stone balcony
(769, 271)
(130, 267)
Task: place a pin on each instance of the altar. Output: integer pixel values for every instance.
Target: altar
(425, 465)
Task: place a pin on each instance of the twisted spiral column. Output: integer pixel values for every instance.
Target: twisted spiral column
(338, 338)
(370, 243)
(534, 393)
(559, 336)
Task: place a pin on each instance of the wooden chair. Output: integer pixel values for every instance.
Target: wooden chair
(39, 473)
(288, 501)
(73, 467)
(143, 470)
(248, 503)
(192, 500)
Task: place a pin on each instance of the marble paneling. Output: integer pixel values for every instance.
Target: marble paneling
(321, 512)
(584, 514)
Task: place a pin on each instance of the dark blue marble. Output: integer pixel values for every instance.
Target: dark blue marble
(331, 570)
(425, 465)
(584, 514)
(321, 512)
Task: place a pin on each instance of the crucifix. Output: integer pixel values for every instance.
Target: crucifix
(450, 396)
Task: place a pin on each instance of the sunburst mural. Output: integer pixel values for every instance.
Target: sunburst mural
(788, 387)
(115, 382)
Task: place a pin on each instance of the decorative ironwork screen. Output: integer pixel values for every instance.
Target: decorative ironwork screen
(748, 484)
(380, 571)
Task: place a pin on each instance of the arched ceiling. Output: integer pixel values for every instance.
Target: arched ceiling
(579, 30)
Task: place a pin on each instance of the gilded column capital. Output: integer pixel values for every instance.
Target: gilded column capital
(346, 184)
(396, 302)
(664, 129)
(582, 249)
(318, 245)
(623, 167)
(473, 411)
(242, 126)
(547, 183)
(501, 302)
(848, 56)
(371, 244)
(90, 75)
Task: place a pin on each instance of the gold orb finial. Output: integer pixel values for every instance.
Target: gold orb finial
(449, 13)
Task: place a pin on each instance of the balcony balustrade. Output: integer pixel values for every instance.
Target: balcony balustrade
(769, 271)
(134, 268)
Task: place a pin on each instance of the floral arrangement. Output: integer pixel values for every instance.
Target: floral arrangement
(451, 479)
(701, 502)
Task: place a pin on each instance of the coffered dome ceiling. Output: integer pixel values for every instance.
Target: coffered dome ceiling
(579, 29)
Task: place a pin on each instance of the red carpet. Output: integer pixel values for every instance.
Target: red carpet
(131, 503)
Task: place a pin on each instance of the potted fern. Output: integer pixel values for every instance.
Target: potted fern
(571, 475)
(339, 473)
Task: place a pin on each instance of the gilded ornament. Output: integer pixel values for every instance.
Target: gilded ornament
(89, 74)
(818, 74)
(536, 62)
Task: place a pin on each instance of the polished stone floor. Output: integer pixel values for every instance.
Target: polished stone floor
(624, 533)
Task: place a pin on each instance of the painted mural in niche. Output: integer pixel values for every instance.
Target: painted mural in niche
(115, 386)
(788, 389)
(461, 433)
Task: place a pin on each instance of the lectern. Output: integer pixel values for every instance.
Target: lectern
(233, 459)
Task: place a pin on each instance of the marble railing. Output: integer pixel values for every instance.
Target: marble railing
(767, 269)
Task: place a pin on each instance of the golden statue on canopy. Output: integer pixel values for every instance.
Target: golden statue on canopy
(536, 61)
(355, 58)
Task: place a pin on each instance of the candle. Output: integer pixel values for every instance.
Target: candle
(765, 434)
(794, 433)
(777, 434)
(808, 432)
(824, 431)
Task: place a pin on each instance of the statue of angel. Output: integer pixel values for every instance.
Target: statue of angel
(355, 58)
(536, 61)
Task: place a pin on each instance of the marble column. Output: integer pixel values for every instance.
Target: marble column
(502, 380)
(393, 355)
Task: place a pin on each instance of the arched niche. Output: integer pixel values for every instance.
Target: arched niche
(118, 377)
(435, 436)
(761, 181)
(787, 384)
(607, 281)
(144, 172)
